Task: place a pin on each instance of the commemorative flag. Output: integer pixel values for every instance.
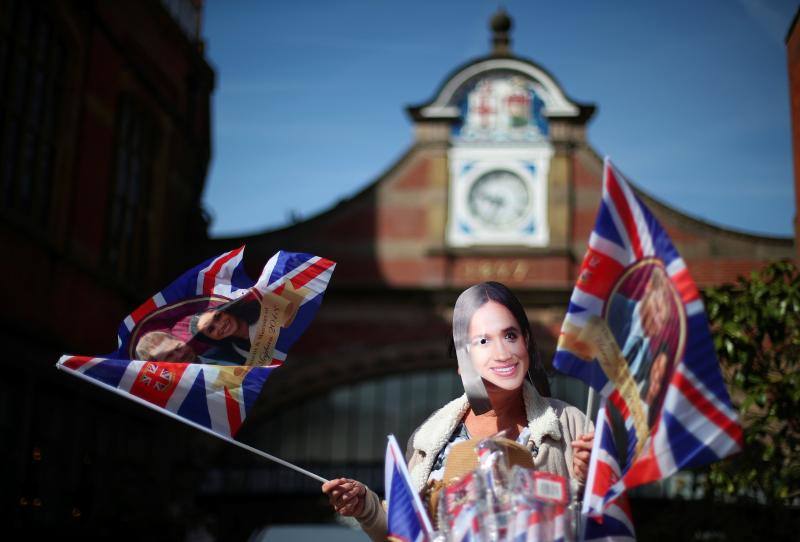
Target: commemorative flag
(201, 349)
(636, 331)
(406, 518)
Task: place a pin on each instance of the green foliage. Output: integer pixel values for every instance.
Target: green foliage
(756, 328)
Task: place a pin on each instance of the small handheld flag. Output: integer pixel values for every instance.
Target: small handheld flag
(201, 349)
(407, 520)
(636, 331)
(616, 523)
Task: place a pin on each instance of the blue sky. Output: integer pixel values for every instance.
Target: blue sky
(309, 104)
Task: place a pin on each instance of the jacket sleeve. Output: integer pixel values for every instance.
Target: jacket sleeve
(373, 517)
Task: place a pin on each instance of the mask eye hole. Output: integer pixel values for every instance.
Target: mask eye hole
(480, 341)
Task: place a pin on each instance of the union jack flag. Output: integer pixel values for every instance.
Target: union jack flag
(218, 389)
(637, 332)
(467, 527)
(541, 522)
(406, 518)
(616, 524)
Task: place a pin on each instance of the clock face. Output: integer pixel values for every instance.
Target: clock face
(499, 199)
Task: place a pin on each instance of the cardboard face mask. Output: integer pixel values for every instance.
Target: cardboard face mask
(468, 302)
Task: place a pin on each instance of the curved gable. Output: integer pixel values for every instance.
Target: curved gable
(445, 105)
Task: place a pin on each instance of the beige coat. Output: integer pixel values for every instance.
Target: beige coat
(553, 425)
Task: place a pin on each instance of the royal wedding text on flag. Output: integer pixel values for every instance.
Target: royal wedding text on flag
(201, 349)
(637, 332)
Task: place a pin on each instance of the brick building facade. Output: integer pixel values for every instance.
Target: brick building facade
(105, 143)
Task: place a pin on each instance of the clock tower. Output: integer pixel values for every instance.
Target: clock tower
(499, 160)
(500, 113)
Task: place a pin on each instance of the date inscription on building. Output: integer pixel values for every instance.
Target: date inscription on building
(499, 270)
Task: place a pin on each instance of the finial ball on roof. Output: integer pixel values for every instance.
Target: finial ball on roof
(501, 22)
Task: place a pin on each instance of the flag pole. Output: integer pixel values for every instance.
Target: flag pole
(230, 440)
(589, 408)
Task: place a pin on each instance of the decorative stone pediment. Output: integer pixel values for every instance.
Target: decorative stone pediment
(508, 76)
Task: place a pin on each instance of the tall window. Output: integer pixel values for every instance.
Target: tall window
(130, 219)
(31, 73)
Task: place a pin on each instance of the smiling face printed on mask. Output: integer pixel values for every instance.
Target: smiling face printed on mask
(497, 347)
(491, 339)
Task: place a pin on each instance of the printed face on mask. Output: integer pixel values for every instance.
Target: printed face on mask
(497, 347)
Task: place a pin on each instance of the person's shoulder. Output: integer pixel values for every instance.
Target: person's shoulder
(567, 412)
(444, 413)
(559, 406)
(410, 444)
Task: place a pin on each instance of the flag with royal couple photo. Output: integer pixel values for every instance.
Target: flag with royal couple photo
(201, 349)
(636, 331)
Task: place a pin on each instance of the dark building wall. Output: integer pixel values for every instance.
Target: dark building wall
(105, 143)
(130, 148)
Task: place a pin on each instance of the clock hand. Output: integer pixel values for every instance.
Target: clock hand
(494, 200)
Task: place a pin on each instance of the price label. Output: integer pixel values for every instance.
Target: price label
(549, 487)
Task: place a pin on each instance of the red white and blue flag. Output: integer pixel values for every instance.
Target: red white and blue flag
(616, 523)
(637, 332)
(541, 522)
(217, 389)
(467, 527)
(406, 518)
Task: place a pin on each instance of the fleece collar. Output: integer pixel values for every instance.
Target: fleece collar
(432, 435)
(542, 419)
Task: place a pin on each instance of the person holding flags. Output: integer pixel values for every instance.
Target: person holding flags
(499, 369)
